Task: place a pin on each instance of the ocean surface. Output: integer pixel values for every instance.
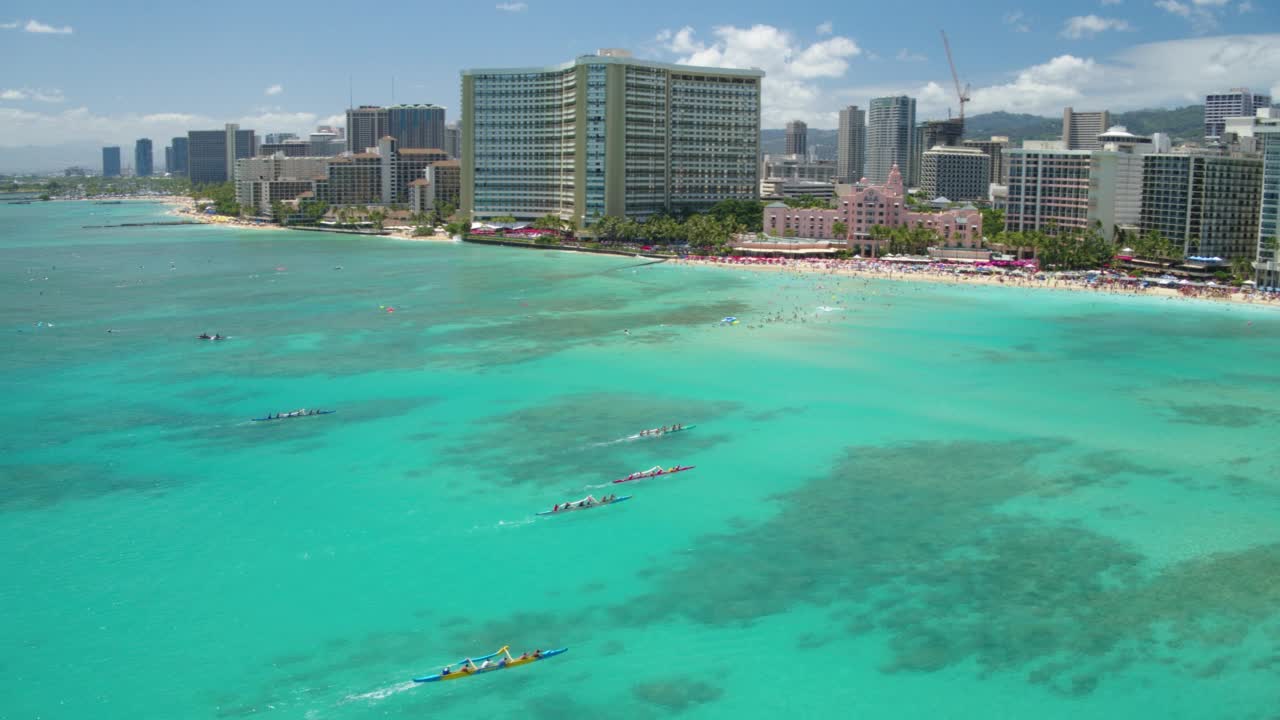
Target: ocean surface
(923, 501)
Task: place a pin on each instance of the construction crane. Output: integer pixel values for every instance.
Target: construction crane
(962, 93)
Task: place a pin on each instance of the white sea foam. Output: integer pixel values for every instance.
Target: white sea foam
(380, 693)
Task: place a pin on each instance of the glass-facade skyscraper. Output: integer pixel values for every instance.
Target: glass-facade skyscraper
(111, 161)
(142, 163)
(891, 125)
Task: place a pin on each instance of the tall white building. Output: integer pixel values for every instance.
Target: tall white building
(608, 134)
(1048, 188)
(1268, 258)
(851, 145)
(1080, 130)
(797, 138)
(891, 124)
(1115, 180)
(1236, 102)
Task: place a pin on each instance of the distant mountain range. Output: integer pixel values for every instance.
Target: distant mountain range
(1182, 124)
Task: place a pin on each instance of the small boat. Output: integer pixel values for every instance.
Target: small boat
(654, 471)
(655, 432)
(207, 336)
(294, 414)
(469, 666)
(585, 503)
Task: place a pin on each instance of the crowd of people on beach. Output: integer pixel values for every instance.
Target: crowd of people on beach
(1019, 275)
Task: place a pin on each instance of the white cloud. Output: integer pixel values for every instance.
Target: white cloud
(1090, 25)
(1245, 7)
(8, 25)
(35, 26)
(793, 69)
(1202, 14)
(20, 127)
(274, 89)
(24, 127)
(276, 120)
(512, 7)
(334, 121)
(1018, 21)
(826, 28)
(38, 94)
(1104, 3)
(1150, 75)
(905, 55)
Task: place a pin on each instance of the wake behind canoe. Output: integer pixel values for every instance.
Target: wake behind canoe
(469, 667)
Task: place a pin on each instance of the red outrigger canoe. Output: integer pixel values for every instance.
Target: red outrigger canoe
(655, 471)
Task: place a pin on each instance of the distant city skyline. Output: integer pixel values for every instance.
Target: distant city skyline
(94, 74)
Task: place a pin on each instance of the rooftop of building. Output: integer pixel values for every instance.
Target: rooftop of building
(616, 57)
(955, 150)
(420, 182)
(447, 163)
(422, 151)
(1120, 132)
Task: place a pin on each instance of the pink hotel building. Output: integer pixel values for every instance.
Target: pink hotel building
(870, 205)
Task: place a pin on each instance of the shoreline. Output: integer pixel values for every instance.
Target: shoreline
(888, 271)
(182, 206)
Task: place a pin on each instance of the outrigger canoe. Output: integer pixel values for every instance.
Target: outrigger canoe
(655, 432)
(583, 504)
(294, 414)
(654, 471)
(468, 669)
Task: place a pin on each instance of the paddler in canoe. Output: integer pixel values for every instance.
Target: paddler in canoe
(488, 663)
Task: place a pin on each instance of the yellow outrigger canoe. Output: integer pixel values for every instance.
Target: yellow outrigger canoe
(469, 666)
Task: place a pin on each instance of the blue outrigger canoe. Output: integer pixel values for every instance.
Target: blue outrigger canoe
(576, 505)
(467, 671)
(290, 416)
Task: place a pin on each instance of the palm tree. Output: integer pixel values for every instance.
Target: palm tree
(1242, 269)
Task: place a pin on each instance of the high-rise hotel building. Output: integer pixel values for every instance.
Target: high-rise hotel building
(1268, 257)
(608, 134)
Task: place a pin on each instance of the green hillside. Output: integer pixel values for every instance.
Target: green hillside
(1182, 124)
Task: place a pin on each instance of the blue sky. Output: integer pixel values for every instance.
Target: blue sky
(112, 72)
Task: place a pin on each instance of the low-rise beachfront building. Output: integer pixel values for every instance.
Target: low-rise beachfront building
(773, 188)
(608, 134)
(867, 206)
(440, 184)
(264, 180)
(410, 165)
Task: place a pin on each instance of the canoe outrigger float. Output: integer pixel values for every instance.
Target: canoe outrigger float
(654, 471)
(468, 667)
(294, 414)
(585, 503)
(655, 432)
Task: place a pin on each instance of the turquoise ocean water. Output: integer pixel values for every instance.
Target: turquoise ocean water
(927, 502)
